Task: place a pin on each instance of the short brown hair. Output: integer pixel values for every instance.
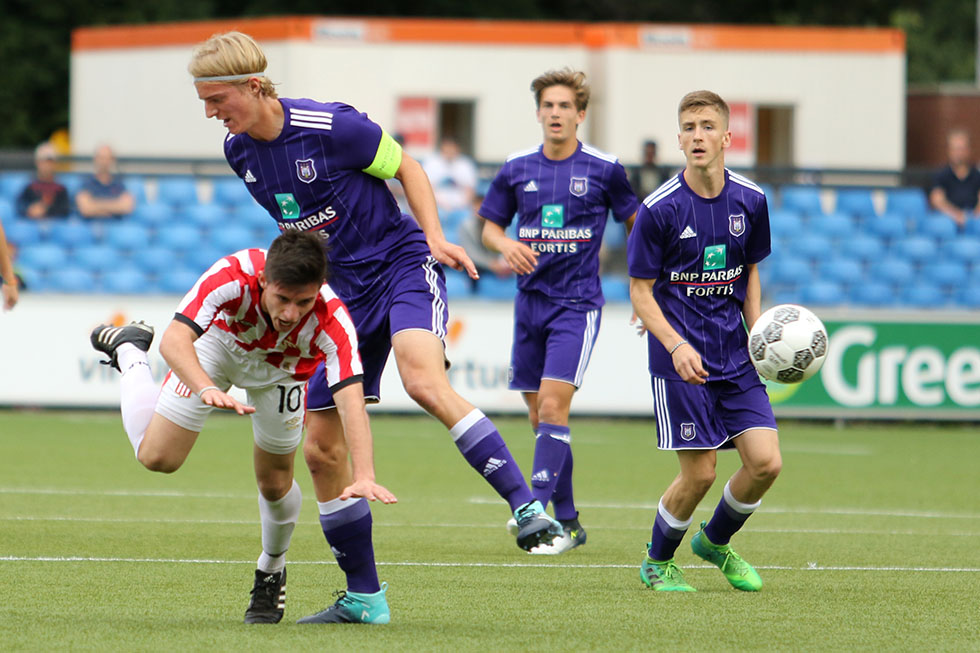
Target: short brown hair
(699, 99)
(231, 53)
(296, 258)
(573, 79)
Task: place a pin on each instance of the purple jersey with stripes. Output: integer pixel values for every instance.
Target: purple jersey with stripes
(561, 209)
(697, 250)
(311, 177)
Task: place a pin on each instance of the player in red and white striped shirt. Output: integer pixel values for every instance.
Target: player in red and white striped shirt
(262, 322)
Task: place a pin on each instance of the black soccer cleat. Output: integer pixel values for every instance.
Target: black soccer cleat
(107, 338)
(535, 526)
(268, 598)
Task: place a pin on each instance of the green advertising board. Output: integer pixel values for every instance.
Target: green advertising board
(891, 369)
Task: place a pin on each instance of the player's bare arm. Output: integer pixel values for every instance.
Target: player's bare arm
(422, 201)
(686, 360)
(521, 258)
(357, 430)
(752, 308)
(177, 348)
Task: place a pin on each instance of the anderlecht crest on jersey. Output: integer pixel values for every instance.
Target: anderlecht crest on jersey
(305, 170)
(736, 224)
(288, 206)
(578, 186)
(688, 431)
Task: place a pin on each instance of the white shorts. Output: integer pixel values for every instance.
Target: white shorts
(278, 398)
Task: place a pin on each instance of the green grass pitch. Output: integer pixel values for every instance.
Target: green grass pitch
(867, 542)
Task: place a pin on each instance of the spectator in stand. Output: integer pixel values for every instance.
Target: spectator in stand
(44, 197)
(9, 281)
(103, 195)
(956, 187)
(471, 238)
(649, 175)
(452, 175)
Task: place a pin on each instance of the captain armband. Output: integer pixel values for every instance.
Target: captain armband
(387, 160)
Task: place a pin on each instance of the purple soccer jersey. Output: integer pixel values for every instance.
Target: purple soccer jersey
(561, 209)
(312, 177)
(697, 250)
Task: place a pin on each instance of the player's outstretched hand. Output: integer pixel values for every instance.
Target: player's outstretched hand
(369, 490)
(454, 256)
(219, 399)
(637, 324)
(687, 362)
(521, 258)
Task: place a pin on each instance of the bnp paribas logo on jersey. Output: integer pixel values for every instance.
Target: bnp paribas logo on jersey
(288, 205)
(715, 257)
(553, 215)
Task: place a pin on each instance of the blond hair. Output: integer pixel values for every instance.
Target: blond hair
(231, 54)
(700, 99)
(573, 79)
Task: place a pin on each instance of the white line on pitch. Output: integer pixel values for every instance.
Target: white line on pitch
(200, 561)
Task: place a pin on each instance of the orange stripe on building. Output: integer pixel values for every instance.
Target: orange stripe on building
(501, 32)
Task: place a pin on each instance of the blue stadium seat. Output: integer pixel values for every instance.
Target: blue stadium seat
(72, 181)
(923, 295)
(937, 226)
(917, 249)
(491, 287)
(873, 294)
(252, 216)
(207, 216)
(177, 192)
(888, 226)
(155, 260)
(782, 295)
(863, 247)
(180, 237)
(969, 297)
(72, 233)
(823, 293)
(42, 257)
(6, 209)
(95, 258)
(785, 223)
(457, 285)
(791, 271)
(770, 192)
(179, 280)
(203, 257)
(814, 247)
(836, 226)
(230, 192)
(266, 233)
(136, 187)
(12, 183)
(154, 215)
(908, 202)
(233, 238)
(965, 249)
(973, 227)
(125, 280)
(846, 271)
(856, 202)
(946, 274)
(127, 237)
(802, 199)
(615, 288)
(71, 279)
(894, 271)
(614, 237)
(23, 233)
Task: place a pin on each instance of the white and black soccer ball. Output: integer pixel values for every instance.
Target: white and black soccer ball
(788, 344)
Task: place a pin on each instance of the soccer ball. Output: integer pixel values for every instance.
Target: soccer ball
(788, 344)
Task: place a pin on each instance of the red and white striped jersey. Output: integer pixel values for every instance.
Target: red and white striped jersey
(226, 298)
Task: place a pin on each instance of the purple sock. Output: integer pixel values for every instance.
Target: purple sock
(480, 443)
(562, 499)
(668, 531)
(347, 527)
(730, 515)
(551, 448)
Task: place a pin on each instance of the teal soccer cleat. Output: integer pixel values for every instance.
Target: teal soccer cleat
(354, 608)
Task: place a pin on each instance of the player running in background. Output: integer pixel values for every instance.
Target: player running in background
(321, 167)
(693, 279)
(561, 192)
(261, 322)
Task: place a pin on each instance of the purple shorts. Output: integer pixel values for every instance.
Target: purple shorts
(709, 416)
(413, 298)
(550, 342)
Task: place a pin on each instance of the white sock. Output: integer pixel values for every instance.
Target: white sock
(278, 521)
(138, 392)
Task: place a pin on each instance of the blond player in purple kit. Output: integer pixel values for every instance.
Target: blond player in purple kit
(692, 257)
(561, 192)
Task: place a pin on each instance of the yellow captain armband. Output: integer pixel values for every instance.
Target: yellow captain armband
(388, 158)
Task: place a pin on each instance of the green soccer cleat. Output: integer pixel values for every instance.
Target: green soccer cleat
(354, 608)
(738, 572)
(663, 576)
